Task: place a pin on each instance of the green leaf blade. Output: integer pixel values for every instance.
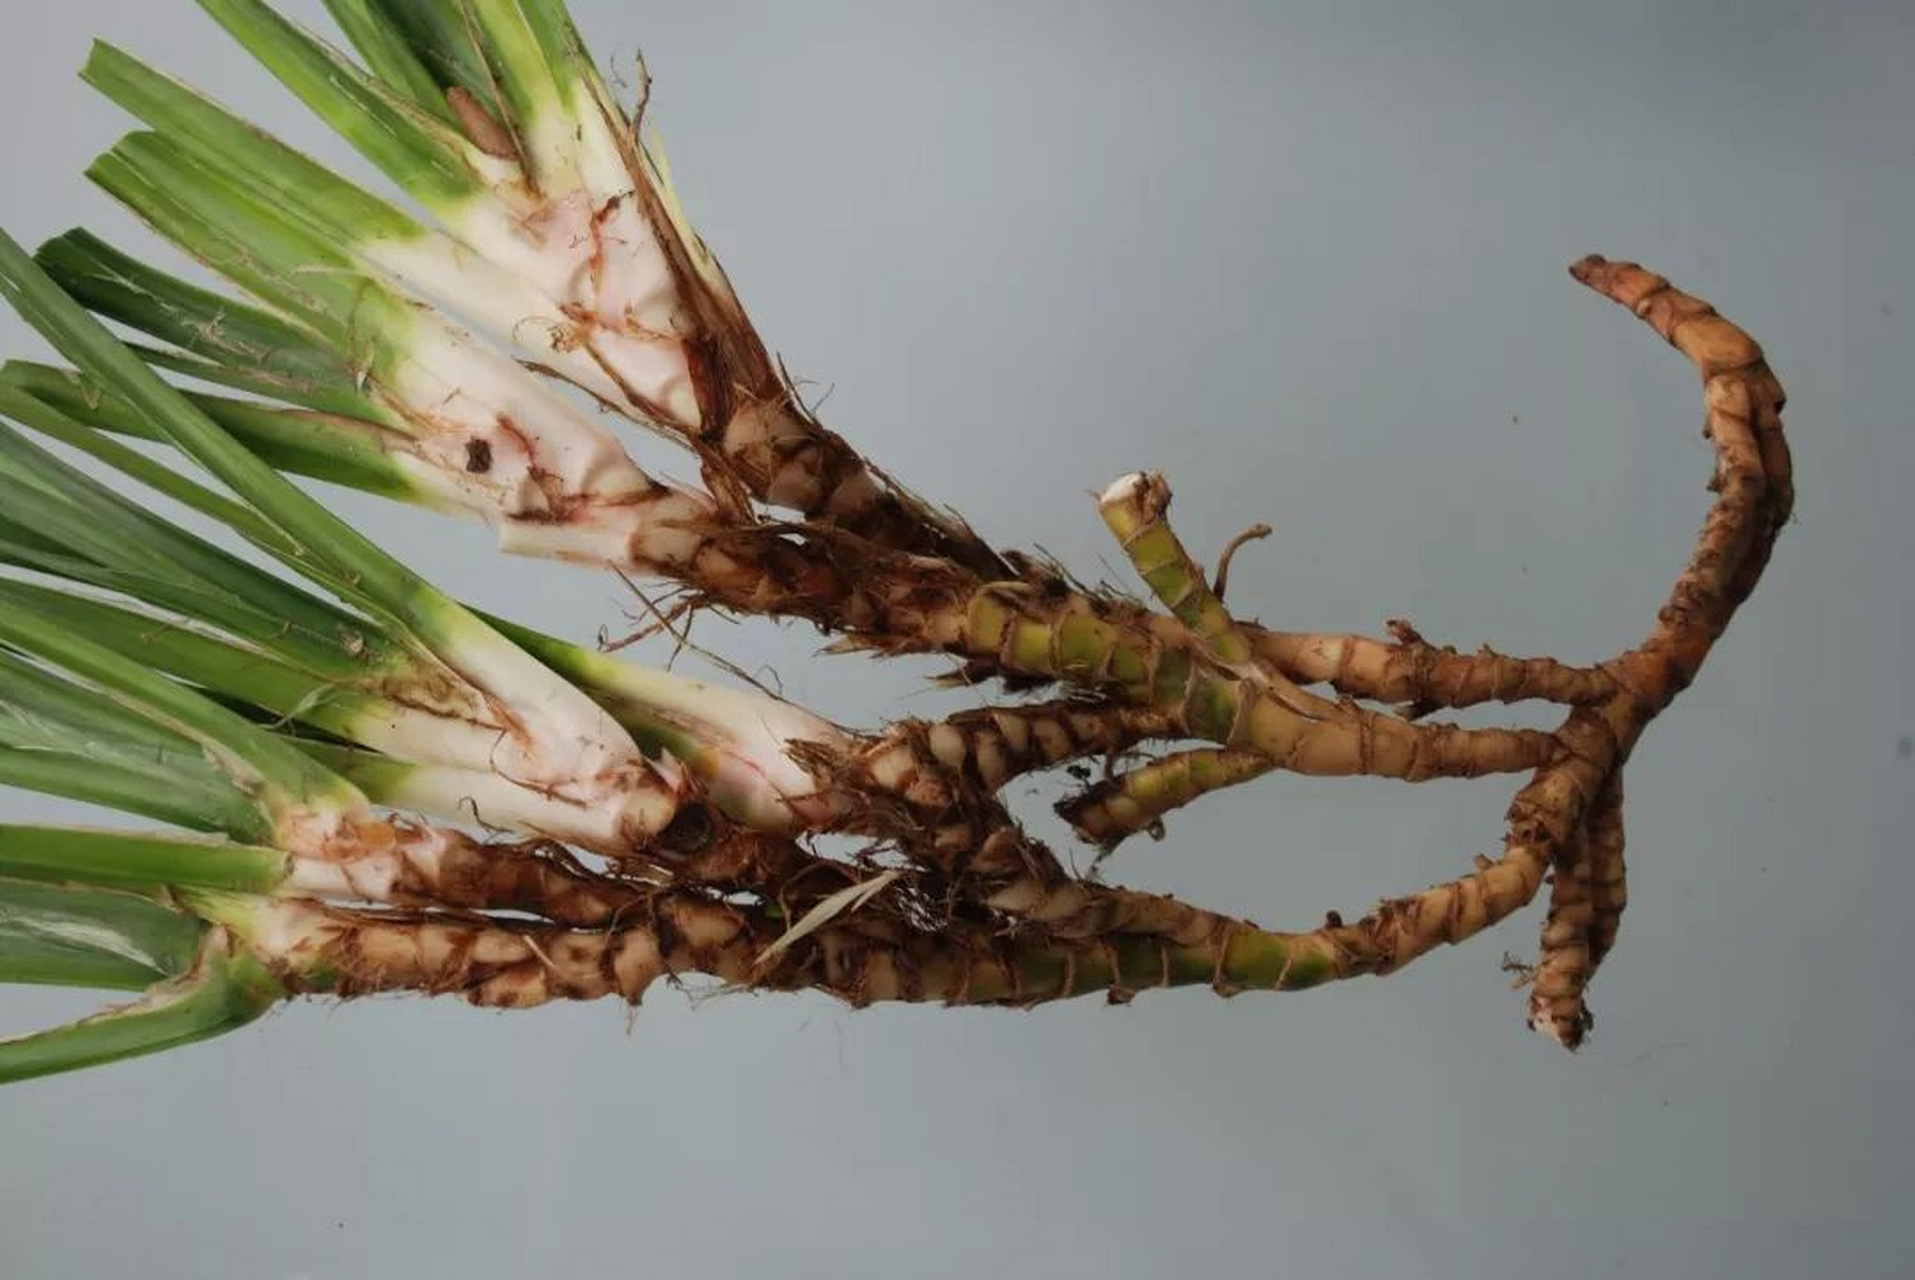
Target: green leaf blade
(241, 152)
(130, 860)
(53, 935)
(244, 345)
(413, 148)
(223, 993)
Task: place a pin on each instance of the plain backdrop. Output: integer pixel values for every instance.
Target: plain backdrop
(1308, 260)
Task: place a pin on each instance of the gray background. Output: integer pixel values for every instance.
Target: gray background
(1308, 259)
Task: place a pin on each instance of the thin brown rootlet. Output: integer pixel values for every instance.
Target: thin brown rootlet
(980, 911)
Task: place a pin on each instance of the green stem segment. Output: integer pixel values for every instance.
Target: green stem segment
(1136, 510)
(1138, 799)
(1149, 659)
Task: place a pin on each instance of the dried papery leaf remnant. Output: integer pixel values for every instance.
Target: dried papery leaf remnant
(388, 791)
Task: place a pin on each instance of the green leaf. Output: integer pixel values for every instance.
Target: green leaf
(442, 37)
(346, 451)
(244, 154)
(383, 43)
(129, 860)
(250, 752)
(413, 147)
(338, 548)
(50, 419)
(41, 710)
(72, 937)
(262, 678)
(162, 793)
(221, 993)
(248, 240)
(244, 345)
(159, 561)
(60, 738)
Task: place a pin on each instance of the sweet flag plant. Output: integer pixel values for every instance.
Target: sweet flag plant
(338, 779)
